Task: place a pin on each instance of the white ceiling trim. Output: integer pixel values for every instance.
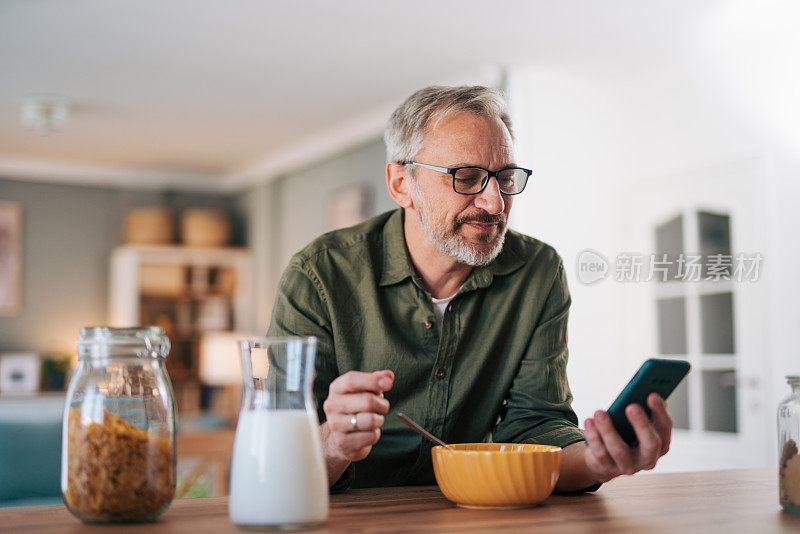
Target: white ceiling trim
(54, 171)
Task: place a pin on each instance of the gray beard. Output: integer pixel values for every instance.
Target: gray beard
(454, 245)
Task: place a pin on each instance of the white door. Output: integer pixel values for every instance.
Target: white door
(705, 303)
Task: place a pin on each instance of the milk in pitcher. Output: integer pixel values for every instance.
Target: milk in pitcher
(278, 476)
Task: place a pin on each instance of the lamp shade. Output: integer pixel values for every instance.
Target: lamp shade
(220, 359)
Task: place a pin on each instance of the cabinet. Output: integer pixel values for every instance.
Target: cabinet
(187, 291)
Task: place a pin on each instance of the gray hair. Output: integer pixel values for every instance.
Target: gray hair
(407, 125)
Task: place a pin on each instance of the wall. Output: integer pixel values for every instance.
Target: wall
(68, 234)
(303, 197)
(261, 219)
(782, 192)
(285, 215)
(590, 139)
(594, 142)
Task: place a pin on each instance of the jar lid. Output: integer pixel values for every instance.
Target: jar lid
(104, 341)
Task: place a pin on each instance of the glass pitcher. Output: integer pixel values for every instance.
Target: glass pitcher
(278, 476)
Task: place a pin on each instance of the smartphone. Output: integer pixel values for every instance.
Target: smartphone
(654, 376)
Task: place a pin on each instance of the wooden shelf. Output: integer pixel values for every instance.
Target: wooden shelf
(187, 291)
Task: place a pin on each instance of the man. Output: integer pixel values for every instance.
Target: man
(438, 311)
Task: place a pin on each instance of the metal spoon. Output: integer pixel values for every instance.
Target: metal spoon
(421, 431)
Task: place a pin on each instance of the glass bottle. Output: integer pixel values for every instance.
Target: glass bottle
(118, 451)
(278, 476)
(788, 439)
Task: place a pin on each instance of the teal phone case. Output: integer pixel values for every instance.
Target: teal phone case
(654, 376)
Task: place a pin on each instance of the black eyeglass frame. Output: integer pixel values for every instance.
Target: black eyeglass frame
(452, 172)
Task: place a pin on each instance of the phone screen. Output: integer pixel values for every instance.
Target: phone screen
(654, 376)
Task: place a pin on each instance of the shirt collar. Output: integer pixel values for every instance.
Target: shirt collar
(396, 261)
(397, 264)
(505, 263)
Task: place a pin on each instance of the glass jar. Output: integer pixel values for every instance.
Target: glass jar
(118, 450)
(788, 439)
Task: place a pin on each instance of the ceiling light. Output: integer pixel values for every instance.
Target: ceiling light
(44, 113)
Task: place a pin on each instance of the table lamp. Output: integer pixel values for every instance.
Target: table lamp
(221, 367)
(220, 359)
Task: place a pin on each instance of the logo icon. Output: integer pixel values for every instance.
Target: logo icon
(592, 267)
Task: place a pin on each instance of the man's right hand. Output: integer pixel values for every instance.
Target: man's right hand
(354, 413)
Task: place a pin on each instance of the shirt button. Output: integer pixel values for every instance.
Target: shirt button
(428, 324)
(440, 374)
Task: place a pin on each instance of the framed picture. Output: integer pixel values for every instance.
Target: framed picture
(348, 206)
(10, 258)
(20, 373)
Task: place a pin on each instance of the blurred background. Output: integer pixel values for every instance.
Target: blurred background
(161, 162)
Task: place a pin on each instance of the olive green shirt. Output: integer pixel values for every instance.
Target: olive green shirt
(498, 369)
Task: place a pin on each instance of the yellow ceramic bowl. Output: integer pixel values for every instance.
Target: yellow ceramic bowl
(496, 475)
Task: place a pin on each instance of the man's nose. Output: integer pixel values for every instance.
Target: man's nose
(490, 199)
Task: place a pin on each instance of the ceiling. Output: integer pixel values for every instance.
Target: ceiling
(193, 93)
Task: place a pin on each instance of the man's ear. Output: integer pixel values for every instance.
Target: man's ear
(398, 180)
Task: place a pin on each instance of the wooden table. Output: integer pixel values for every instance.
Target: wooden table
(213, 450)
(711, 501)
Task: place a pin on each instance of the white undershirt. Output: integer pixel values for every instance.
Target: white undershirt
(439, 306)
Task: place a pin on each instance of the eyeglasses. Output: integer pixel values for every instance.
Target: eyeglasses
(473, 180)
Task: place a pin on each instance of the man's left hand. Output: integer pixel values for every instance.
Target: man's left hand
(608, 456)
